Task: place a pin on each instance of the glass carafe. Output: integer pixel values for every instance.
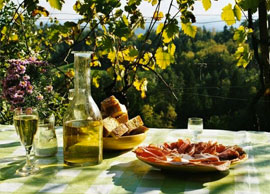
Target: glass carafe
(82, 127)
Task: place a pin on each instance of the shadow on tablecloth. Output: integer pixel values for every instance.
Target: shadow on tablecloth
(138, 177)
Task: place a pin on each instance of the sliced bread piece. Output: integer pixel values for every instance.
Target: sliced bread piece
(123, 118)
(112, 107)
(119, 131)
(109, 124)
(134, 123)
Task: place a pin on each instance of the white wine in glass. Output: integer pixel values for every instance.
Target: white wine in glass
(26, 124)
(195, 126)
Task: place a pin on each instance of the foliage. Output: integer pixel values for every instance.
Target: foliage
(109, 31)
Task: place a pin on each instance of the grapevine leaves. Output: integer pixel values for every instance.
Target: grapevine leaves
(57, 4)
(1, 4)
(206, 4)
(189, 29)
(237, 12)
(141, 86)
(229, 14)
(243, 53)
(249, 5)
(165, 56)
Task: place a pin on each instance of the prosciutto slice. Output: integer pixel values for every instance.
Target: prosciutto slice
(183, 152)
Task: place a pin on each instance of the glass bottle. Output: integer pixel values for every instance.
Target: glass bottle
(45, 142)
(82, 127)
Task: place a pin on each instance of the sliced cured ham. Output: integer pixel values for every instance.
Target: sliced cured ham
(183, 152)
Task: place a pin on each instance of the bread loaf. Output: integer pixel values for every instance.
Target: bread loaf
(109, 124)
(112, 107)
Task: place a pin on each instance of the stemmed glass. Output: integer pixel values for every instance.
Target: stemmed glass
(26, 124)
(195, 126)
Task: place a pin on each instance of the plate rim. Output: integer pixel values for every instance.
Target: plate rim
(180, 167)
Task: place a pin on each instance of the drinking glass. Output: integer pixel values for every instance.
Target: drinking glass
(195, 126)
(26, 124)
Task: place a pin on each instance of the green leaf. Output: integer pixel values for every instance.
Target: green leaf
(166, 38)
(153, 2)
(3, 32)
(118, 13)
(70, 24)
(239, 34)
(249, 4)
(171, 49)
(140, 36)
(13, 37)
(1, 4)
(206, 4)
(159, 28)
(228, 15)
(172, 30)
(237, 12)
(189, 29)
(125, 20)
(57, 4)
(163, 59)
(243, 55)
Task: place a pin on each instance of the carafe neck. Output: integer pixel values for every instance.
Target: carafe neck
(82, 72)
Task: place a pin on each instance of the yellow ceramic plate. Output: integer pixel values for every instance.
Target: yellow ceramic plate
(124, 142)
(191, 167)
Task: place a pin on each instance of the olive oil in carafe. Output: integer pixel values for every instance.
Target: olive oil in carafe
(82, 142)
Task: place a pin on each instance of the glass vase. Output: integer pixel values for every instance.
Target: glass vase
(82, 127)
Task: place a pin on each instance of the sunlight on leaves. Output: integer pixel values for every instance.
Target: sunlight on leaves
(228, 15)
(3, 32)
(206, 4)
(153, 2)
(95, 81)
(158, 15)
(159, 28)
(13, 37)
(141, 85)
(189, 29)
(163, 59)
(70, 73)
(57, 4)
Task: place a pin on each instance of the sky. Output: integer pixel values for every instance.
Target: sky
(210, 19)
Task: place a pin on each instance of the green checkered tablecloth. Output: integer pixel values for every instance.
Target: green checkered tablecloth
(121, 172)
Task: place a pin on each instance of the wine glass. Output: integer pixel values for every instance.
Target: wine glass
(26, 124)
(195, 126)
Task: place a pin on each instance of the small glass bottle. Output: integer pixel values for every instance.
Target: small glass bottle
(45, 142)
(82, 127)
